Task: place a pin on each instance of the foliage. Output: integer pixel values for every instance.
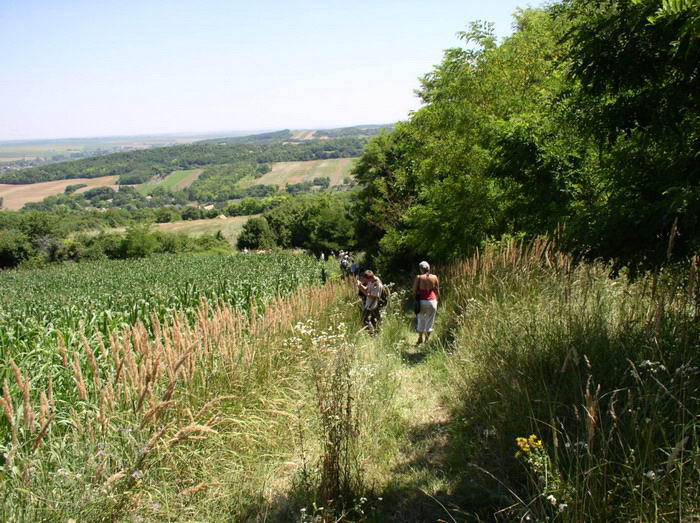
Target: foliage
(256, 234)
(14, 248)
(318, 223)
(72, 188)
(582, 123)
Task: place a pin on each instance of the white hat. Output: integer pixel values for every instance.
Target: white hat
(424, 265)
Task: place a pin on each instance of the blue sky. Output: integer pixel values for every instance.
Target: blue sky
(75, 68)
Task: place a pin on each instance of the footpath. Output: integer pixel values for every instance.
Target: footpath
(415, 472)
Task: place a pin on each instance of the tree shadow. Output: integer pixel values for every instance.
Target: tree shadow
(436, 483)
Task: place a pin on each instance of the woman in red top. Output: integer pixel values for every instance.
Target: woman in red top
(427, 287)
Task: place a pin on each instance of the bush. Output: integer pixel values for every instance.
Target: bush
(139, 242)
(256, 234)
(14, 248)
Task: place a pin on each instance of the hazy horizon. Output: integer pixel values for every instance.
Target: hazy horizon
(185, 134)
(93, 70)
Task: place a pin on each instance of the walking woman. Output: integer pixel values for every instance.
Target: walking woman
(426, 287)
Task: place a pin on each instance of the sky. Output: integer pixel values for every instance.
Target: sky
(79, 68)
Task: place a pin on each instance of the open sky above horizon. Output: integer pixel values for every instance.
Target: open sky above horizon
(80, 68)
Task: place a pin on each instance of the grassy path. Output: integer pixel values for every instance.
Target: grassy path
(415, 470)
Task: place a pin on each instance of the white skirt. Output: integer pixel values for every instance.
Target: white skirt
(426, 316)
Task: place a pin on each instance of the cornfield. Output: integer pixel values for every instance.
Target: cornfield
(110, 364)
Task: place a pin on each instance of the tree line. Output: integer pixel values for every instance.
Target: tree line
(583, 124)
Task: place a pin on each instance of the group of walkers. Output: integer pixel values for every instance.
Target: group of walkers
(426, 289)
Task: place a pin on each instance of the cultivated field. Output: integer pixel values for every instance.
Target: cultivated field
(229, 227)
(7, 159)
(283, 173)
(49, 148)
(303, 134)
(15, 196)
(175, 181)
(114, 373)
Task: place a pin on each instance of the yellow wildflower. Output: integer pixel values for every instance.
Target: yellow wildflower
(534, 441)
(523, 443)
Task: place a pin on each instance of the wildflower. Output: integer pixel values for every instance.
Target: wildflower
(136, 474)
(534, 441)
(552, 499)
(523, 444)
(650, 474)
(562, 507)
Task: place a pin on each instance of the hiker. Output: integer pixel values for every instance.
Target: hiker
(371, 288)
(344, 264)
(354, 269)
(426, 288)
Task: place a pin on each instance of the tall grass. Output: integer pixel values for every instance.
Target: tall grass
(605, 373)
(190, 421)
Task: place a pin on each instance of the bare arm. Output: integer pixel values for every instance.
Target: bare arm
(415, 286)
(362, 288)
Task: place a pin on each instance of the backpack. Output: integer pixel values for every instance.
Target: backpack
(384, 296)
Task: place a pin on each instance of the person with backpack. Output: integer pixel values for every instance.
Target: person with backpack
(371, 287)
(426, 288)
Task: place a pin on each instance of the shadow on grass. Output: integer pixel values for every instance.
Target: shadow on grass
(436, 483)
(410, 357)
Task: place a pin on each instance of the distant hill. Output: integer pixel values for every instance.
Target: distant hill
(288, 136)
(356, 131)
(262, 138)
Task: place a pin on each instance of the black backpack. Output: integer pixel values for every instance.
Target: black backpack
(384, 296)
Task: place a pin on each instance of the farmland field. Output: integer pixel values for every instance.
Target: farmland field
(105, 363)
(303, 134)
(174, 181)
(97, 297)
(295, 172)
(48, 148)
(229, 227)
(15, 196)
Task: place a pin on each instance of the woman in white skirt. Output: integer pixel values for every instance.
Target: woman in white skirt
(426, 287)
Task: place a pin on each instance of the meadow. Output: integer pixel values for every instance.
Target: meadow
(230, 227)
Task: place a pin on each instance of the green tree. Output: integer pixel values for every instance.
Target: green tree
(14, 248)
(139, 242)
(256, 234)
(638, 67)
